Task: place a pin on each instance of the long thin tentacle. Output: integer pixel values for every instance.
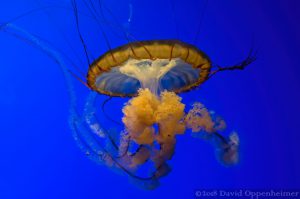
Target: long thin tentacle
(252, 56)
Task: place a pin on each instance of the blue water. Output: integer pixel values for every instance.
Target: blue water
(39, 158)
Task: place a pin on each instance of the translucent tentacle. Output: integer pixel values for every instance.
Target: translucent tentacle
(87, 133)
(46, 48)
(206, 125)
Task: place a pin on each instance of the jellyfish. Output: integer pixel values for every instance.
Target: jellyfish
(151, 74)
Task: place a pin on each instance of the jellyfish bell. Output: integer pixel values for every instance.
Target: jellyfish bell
(158, 65)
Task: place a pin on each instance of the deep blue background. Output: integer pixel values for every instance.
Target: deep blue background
(39, 158)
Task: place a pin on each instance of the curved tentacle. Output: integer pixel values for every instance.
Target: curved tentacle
(252, 56)
(78, 124)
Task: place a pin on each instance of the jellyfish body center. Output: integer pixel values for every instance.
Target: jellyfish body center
(151, 106)
(148, 72)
